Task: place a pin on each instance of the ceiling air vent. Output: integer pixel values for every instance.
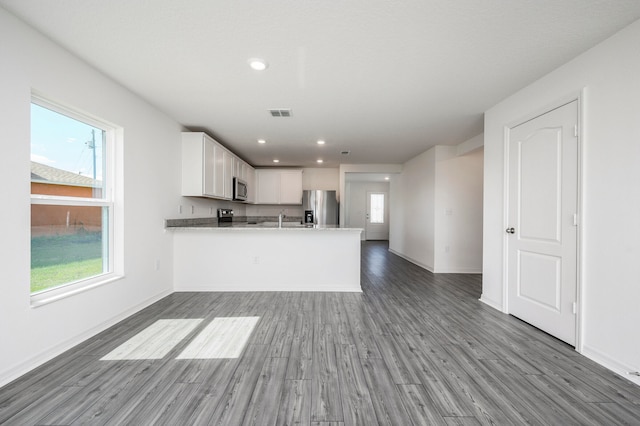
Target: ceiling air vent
(280, 112)
(345, 152)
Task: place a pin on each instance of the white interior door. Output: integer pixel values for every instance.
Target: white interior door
(377, 217)
(542, 233)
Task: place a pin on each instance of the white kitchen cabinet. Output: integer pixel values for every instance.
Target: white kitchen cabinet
(241, 169)
(198, 165)
(219, 171)
(228, 175)
(291, 187)
(278, 186)
(206, 167)
(268, 186)
(251, 183)
(237, 167)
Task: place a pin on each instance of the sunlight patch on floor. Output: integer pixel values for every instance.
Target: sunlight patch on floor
(155, 341)
(222, 338)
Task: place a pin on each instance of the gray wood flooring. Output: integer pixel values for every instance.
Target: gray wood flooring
(414, 349)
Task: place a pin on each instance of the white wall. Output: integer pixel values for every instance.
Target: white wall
(458, 212)
(610, 159)
(30, 336)
(436, 209)
(411, 233)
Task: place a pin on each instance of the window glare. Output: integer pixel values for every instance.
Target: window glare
(377, 208)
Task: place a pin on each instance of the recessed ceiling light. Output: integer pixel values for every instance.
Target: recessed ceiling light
(258, 64)
(262, 141)
(319, 161)
(386, 178)
(276, 160)
(320, 142)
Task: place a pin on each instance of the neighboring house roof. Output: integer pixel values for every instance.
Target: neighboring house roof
(41, 173)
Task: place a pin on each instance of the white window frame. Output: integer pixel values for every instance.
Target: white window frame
(112, 198)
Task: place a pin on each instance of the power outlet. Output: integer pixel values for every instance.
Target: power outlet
(255, 260)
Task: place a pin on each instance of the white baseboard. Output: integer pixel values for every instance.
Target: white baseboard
(491, 303)
(415, 262)
(430, 268)
(24, 367)
(224, 288)
(607, 362)
(459, 271)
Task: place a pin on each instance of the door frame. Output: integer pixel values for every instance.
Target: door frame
(579, 97)
(367, 219)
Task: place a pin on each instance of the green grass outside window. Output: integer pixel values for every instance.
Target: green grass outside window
(63, 259)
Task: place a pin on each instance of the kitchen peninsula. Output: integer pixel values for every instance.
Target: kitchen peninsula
(264, 257)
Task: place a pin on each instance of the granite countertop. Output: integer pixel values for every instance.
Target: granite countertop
(252, 223)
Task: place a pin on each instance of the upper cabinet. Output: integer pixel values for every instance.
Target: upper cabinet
(279, 186)
(251, 182)
(268, 186)
(219, 170)
(208, 168)
(228, 175)
(198, 165)
(291, 187)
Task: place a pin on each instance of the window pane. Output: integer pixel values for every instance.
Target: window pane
(67, 155)
(377, 208)
(68, 244)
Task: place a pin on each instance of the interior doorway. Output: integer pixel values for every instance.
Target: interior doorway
(377, 216)
(357, 204)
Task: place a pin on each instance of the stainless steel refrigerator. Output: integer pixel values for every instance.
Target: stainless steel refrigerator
(323, 207)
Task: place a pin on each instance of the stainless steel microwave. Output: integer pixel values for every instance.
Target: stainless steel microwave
(240, 190)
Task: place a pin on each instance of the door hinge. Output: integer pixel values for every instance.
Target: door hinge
(575, 219)
(575, 130)
(574, 307)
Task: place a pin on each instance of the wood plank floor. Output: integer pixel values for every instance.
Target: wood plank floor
(414, 348)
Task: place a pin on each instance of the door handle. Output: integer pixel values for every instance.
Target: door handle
(511, 231)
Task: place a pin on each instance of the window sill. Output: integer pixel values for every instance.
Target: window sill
(53, 295)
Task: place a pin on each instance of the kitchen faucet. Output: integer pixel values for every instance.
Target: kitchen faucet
(280, 217)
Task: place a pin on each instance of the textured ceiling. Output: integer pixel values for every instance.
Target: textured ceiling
(385, 80)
